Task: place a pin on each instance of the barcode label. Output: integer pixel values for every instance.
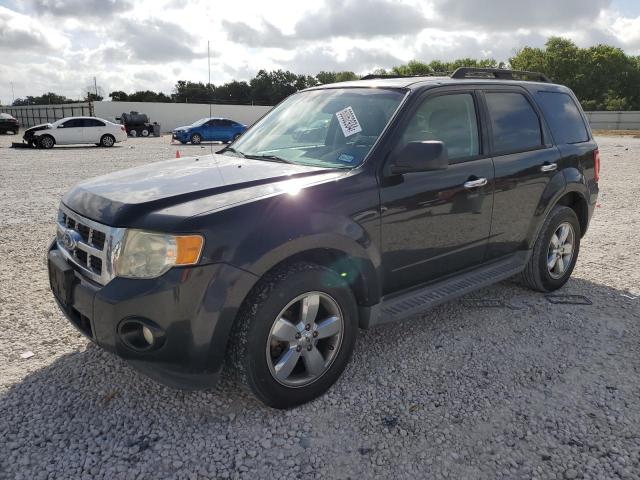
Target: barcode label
(348, 122)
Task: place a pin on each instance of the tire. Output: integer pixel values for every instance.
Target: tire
(133, 133)
(196, 138)
(539, 274)
(46, 141)
(107, 140)
(144, 132)
(255, 353)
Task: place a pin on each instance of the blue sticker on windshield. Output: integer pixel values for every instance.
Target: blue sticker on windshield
(346, 158)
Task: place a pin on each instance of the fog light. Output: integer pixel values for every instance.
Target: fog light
(141, 334)
(147, 334)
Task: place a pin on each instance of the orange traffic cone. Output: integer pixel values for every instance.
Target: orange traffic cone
(177, 153)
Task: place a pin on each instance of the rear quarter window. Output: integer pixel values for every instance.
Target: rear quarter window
(563, 117)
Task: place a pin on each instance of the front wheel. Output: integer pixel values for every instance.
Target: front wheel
(196, 139)
(295, 335)
(144, 132)
(555, 252)
(107, 141)
(47, 141)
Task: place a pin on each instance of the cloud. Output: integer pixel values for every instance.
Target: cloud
(356, 59)
(336, 18)
(513, 15)
(156, 41)
(268, 36)
(20, 33)
(81, 8)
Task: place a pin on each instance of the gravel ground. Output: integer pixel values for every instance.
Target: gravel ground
(507, 387)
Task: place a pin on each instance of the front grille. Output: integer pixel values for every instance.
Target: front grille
(89, 246)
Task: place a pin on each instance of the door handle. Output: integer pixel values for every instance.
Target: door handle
(480, 182)
(549, 167)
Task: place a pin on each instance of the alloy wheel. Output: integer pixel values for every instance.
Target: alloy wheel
(305, 339)
(560, 252)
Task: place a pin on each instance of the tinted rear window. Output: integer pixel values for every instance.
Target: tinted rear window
(563, 117)
(514, 122)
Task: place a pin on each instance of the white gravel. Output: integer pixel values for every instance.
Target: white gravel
(523, 390)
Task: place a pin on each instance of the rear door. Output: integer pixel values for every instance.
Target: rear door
(93, 130)
(227, 130)
(437, 223)
(525, 161)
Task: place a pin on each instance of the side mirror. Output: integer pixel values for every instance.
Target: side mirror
(420, 157)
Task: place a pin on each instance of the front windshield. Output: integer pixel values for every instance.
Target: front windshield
(327, 128)
(199, 122)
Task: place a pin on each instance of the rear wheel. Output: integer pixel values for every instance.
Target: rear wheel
(295, 335)
(133, 133)
(196, 139)
(144, 132)
(46, 141)
(107, 140)
(555, 252)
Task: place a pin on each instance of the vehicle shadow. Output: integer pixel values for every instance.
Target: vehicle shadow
(91, 409)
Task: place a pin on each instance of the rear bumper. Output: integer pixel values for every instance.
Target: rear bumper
(194, 308)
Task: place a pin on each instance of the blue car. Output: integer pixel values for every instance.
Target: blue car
(209, 129)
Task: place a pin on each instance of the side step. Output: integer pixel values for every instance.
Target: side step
(404, 305)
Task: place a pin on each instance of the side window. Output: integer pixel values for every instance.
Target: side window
(74, 123)
(563, 117)
(211, 123)
(514, 123)
(226, 123)
(450, 119)
(92, 122)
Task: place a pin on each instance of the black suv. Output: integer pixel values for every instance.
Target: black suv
(272, 253)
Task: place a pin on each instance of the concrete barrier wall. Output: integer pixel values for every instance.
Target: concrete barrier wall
(168, 115)
(614, 120)
(172, 115)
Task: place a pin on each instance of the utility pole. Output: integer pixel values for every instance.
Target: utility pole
(209, 61)
(95, 85)
(13, 93)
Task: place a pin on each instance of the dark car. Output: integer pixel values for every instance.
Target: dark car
(271, 254)
(8, 123)
(209, 129)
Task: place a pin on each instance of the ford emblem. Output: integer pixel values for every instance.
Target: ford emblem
(70, 239)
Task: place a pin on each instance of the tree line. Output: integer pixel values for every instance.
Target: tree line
(603, 77)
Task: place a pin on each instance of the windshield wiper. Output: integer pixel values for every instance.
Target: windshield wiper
(231, 150)
(269, 158)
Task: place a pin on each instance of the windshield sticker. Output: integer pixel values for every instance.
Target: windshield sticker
(348, 122)
(346, 158)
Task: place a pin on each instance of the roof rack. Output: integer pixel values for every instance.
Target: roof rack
(374, 76)
(499, 74)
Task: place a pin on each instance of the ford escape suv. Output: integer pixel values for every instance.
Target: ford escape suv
(270, 255)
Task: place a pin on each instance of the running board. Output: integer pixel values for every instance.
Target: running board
(404, 305)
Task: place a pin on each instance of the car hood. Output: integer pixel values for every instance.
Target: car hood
(35, 128)
(182, 129)
(210, 182)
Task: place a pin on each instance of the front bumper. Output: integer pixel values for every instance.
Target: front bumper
(194, 307)
(181, 136)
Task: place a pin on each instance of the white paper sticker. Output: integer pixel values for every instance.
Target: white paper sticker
(348, 122)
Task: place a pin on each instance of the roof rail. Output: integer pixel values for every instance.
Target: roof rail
(499, 74)
(374, 76)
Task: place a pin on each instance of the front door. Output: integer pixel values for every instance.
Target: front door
(70, 132)
(438, 223)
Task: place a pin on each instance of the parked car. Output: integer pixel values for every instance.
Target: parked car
(209, 129)
(272, 253)
(8, 123)
(75, 130)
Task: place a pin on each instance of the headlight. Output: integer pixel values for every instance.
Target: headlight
(147, 255)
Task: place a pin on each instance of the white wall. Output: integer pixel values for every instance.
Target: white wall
(614, 120)
(172, 115)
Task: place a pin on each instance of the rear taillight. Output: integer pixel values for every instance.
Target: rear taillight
(596, 165)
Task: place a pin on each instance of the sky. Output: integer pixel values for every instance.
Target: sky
(129, 45)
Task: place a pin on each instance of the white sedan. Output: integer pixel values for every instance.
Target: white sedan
(76, 130)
